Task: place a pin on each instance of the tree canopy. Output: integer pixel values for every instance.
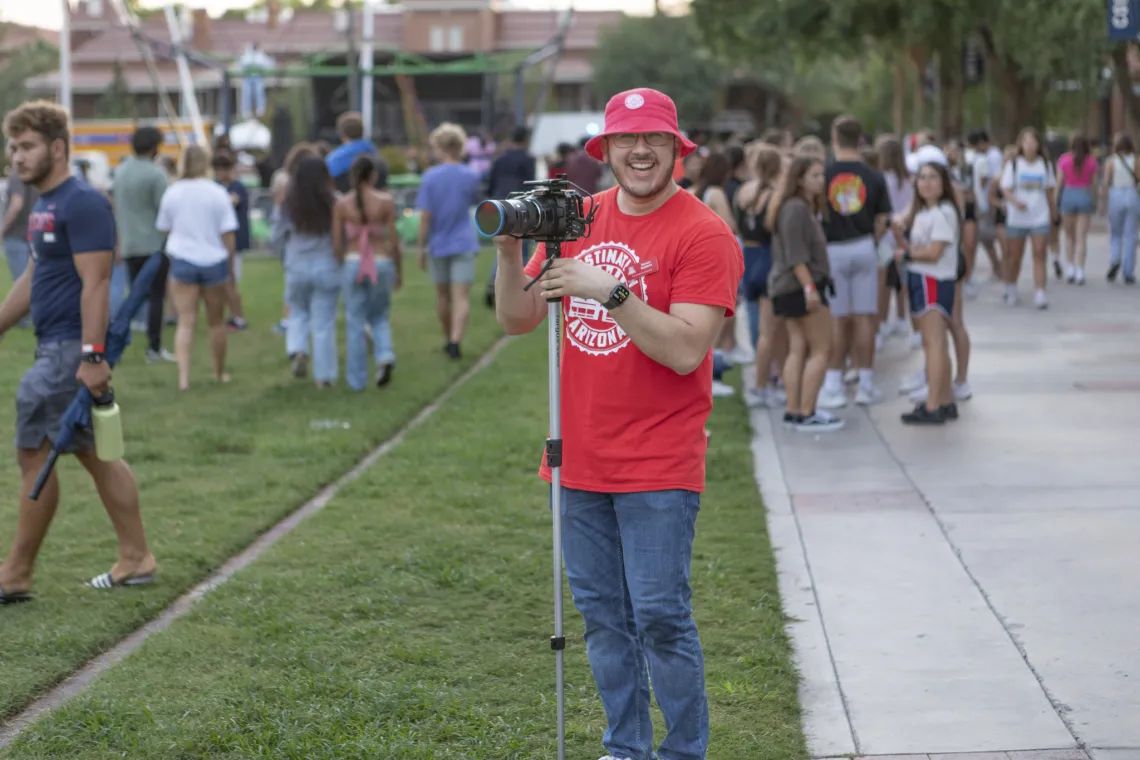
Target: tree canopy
(665, 53)
(1028, 44)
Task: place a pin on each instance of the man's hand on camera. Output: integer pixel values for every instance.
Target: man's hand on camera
(575, 279)
(509, 246)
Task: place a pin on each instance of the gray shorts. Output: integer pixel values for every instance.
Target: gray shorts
(458, 268)
(855, 273)
(45, 392)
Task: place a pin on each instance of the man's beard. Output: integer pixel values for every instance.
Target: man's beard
(655, 189)
(39, 172)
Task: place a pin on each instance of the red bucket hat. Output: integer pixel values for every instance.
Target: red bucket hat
(638, 111)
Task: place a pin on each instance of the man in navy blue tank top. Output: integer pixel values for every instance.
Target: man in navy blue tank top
(66, 287)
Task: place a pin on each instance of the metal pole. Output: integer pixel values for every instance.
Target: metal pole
(520, 98)
(353, 68)
(227, 109)
(554, 461)
(367, 99)
(189, 96)
(65, 58)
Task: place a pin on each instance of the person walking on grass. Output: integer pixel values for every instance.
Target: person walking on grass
(225, 174)
(365, 238)
(302, 233)
(136, 195)
(646, 296)
(447, 193)
(198, 217)
(66, 287)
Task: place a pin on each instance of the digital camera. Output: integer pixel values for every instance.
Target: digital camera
(552, 211)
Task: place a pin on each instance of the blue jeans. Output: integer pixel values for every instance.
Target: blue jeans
(17, 251)
(252, 96)
(367, 304)
(1123, 214)
(753, 308)
(312, 289)
(628, 559)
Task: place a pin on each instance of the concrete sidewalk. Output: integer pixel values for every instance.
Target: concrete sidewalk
(975, 588)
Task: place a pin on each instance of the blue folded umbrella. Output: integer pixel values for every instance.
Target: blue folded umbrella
(78, 414)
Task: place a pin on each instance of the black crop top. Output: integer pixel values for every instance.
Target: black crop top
(751, 226)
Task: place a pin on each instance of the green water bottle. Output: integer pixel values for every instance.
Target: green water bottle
(108, 426)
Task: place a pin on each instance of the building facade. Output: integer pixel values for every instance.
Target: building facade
(430, 30)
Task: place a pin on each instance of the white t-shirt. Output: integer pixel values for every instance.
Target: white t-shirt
(1027, 182)
(982, 176)
(196, 213)
(938, 224)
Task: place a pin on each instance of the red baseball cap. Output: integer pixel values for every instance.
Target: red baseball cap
(636, 112)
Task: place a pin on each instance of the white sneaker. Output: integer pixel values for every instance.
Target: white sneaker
(831, 399)
(899, 327)
(867, 396)
(720, 390)
(756, 398)
(963, 391)
(741, 354)
(612, 757)
(919, 395)
(777, 395)
(851, 376)
(162, 355)
(1011, 298)
(970, 290)
(913, 381)
(1040, 300)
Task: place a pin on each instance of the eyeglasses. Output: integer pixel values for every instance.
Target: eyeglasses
(652, 139)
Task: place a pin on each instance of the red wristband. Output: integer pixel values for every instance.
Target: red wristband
(90, 349)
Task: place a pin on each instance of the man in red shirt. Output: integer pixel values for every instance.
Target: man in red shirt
(644, 298)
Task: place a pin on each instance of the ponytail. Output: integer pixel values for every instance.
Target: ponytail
(362, 171)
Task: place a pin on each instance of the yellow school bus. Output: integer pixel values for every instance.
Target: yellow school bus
(112, 137)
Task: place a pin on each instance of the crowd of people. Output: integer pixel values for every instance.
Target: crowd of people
(890, 218)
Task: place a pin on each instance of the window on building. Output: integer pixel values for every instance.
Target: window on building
(436, 43)
(455, 39)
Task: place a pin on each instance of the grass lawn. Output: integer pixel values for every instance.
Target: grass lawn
(216, 467)
(410, 619)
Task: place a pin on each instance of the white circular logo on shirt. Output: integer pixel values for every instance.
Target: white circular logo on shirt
(634, 101)
(589, 327)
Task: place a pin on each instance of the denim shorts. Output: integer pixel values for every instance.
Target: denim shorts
(1076, 200)
(191, 274)
(458, 268)
(1024, 232)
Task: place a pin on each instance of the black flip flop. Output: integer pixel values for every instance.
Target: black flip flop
(14, 598)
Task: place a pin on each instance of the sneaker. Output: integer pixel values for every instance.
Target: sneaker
(791, 419)
(920, 415)
(138, 326)
(1011, 298)
(915, 341)
(280, 327)
(831, 399)
(880, 342)
(819, 422)
(963, 391)
(1040, 300)
(613, 757)
(1113, 270)
(919, 395)
(162, 355)
(899, 327)
(949, 411)
(851, 376)
(754, 398)
(452, 350)
(867, 396)
(970, 290)
(741, 354)
(384, 374)
(777, 394)
(1128, 280)
(300, 364)
(1057, 269)
(237, 324)
(721, 390)
(913, 382)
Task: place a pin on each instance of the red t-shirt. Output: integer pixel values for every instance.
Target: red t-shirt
(630, 424)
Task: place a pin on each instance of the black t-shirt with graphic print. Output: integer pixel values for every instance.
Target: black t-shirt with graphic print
(856, 194)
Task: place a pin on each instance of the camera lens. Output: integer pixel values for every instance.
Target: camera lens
(514, 216)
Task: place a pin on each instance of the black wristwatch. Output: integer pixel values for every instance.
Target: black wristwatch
(93, 357)
(618, 296)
